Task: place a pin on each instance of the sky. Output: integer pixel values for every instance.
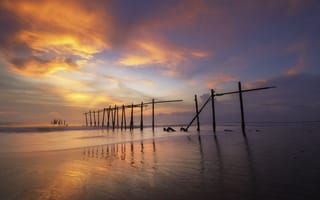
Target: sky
(59, 59)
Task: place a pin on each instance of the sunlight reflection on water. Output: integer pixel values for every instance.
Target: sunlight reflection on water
(272, 163)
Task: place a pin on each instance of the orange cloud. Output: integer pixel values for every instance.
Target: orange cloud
(172, 59)
(219, 79)
(57, 30)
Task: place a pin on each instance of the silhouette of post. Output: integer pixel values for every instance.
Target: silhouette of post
(152, 114)
(90, 118)
(117, 109)
(197, 112)
(213, 112)
(124, 117)
(242, 112)
(114, 117)
(131, 118)
(98, 118)
(104, 110)
(108, 116)
(141, 116)
(94, 118)
(86, 119)
(122, 109)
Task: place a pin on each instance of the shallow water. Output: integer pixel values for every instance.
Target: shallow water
(272, 162)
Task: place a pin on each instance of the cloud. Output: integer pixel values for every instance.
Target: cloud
(217, 80)
(49, 36)
(150, 52)
(300, 50)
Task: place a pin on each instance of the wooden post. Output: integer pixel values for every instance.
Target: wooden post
(122, 117)
(242, 112)
(213, 112)
(141, 116)
(86, 119)
(197, 112)
(125, 118)
(104, 110)
(117, 109)
(94, 118)
(152, 114)
(131, 118)
(98, 118)
(114, 117)
(90, 118)
(108, 115)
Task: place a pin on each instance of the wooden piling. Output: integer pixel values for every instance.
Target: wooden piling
(131, 118)
(197, 112)
(242, 111)
(108, 115)
(122, 109)
(94, 118)
(213, 112)
(124, 118)
(141, 116)
(114, 117)
(90, 118)
(152, 114)
(98, 122)
(103, 114)
(86, 119)
(117, 109)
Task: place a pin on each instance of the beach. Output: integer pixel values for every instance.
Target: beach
(273, 162)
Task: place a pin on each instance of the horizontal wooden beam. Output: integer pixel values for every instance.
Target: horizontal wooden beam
(248, 90)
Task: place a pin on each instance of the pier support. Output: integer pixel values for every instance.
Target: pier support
(94, 118)
(197, 112)
(131, 118)
(117, 109)
(90, 118)
(213, 112)
(152, 114)
(141, 116)
(104, 111)
(114, 117)
(98, 118)
(86, 119)
(108, 116)
(243, 126)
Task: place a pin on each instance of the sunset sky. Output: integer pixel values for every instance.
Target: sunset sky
(59, 59)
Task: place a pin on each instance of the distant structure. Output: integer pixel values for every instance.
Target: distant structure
(111, 115)
(59, 122)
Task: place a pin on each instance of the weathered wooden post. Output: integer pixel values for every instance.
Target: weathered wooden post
(125, 118)
(141, 116)
(242, 112)
(86, 119)
(117, 109)
(152, 114)
(98, 118)
(213, 112)
(90, 118)
(122, 108)
(94, 118)
(197, 112)
(131, 118)
(114, 117)
(108, 115)
(104, 110)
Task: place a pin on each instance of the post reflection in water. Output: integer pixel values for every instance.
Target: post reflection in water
(112, 152)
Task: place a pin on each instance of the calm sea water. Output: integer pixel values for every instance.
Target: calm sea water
(274, 161)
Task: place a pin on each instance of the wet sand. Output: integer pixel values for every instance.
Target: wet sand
(273, 162)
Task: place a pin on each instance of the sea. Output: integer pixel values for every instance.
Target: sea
(271, 161)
